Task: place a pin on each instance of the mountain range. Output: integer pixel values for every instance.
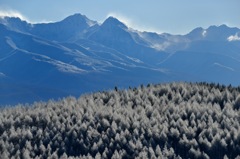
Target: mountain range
(78, 55)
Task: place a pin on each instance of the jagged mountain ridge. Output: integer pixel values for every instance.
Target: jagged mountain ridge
(77, 55)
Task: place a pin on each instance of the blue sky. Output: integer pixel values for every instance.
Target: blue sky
(173, 16)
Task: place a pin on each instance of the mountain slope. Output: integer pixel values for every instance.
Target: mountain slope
(114, 34)
(203, 66)
(77, 55)
(68, 29)
(38, 69)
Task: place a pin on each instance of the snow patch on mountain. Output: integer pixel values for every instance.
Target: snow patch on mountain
(93, 62)
(64, 67)
(134, 59)
(90, 23)
(61, 66)
(11, 13)
(204, 33)
(223, 66)
(11, 43)
(161, 47)
(53, 44)
(235, 37)
(2, 74)
(9, 55)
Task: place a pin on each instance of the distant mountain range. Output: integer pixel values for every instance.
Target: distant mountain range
(79, 55)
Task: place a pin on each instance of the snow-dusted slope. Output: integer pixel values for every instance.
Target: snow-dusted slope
(70, 28)
(33, 68)
(114, 34)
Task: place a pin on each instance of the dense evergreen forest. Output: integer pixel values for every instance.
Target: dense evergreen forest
(176, 120)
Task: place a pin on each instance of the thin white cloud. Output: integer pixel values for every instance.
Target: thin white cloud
(131, 23)
(12, 13)
(235, 37)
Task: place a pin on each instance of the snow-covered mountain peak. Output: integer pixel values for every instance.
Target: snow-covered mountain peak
(215, 28)
(7, 20)
(222, 29)
(212, 33)
(196, 33)
(75, 17)
(15, 23)
(78, 19)
(221, 32)
(112, 21)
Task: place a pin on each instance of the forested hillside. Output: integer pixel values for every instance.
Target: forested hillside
(177, 120)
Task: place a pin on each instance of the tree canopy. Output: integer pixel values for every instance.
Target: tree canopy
(176, 120)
